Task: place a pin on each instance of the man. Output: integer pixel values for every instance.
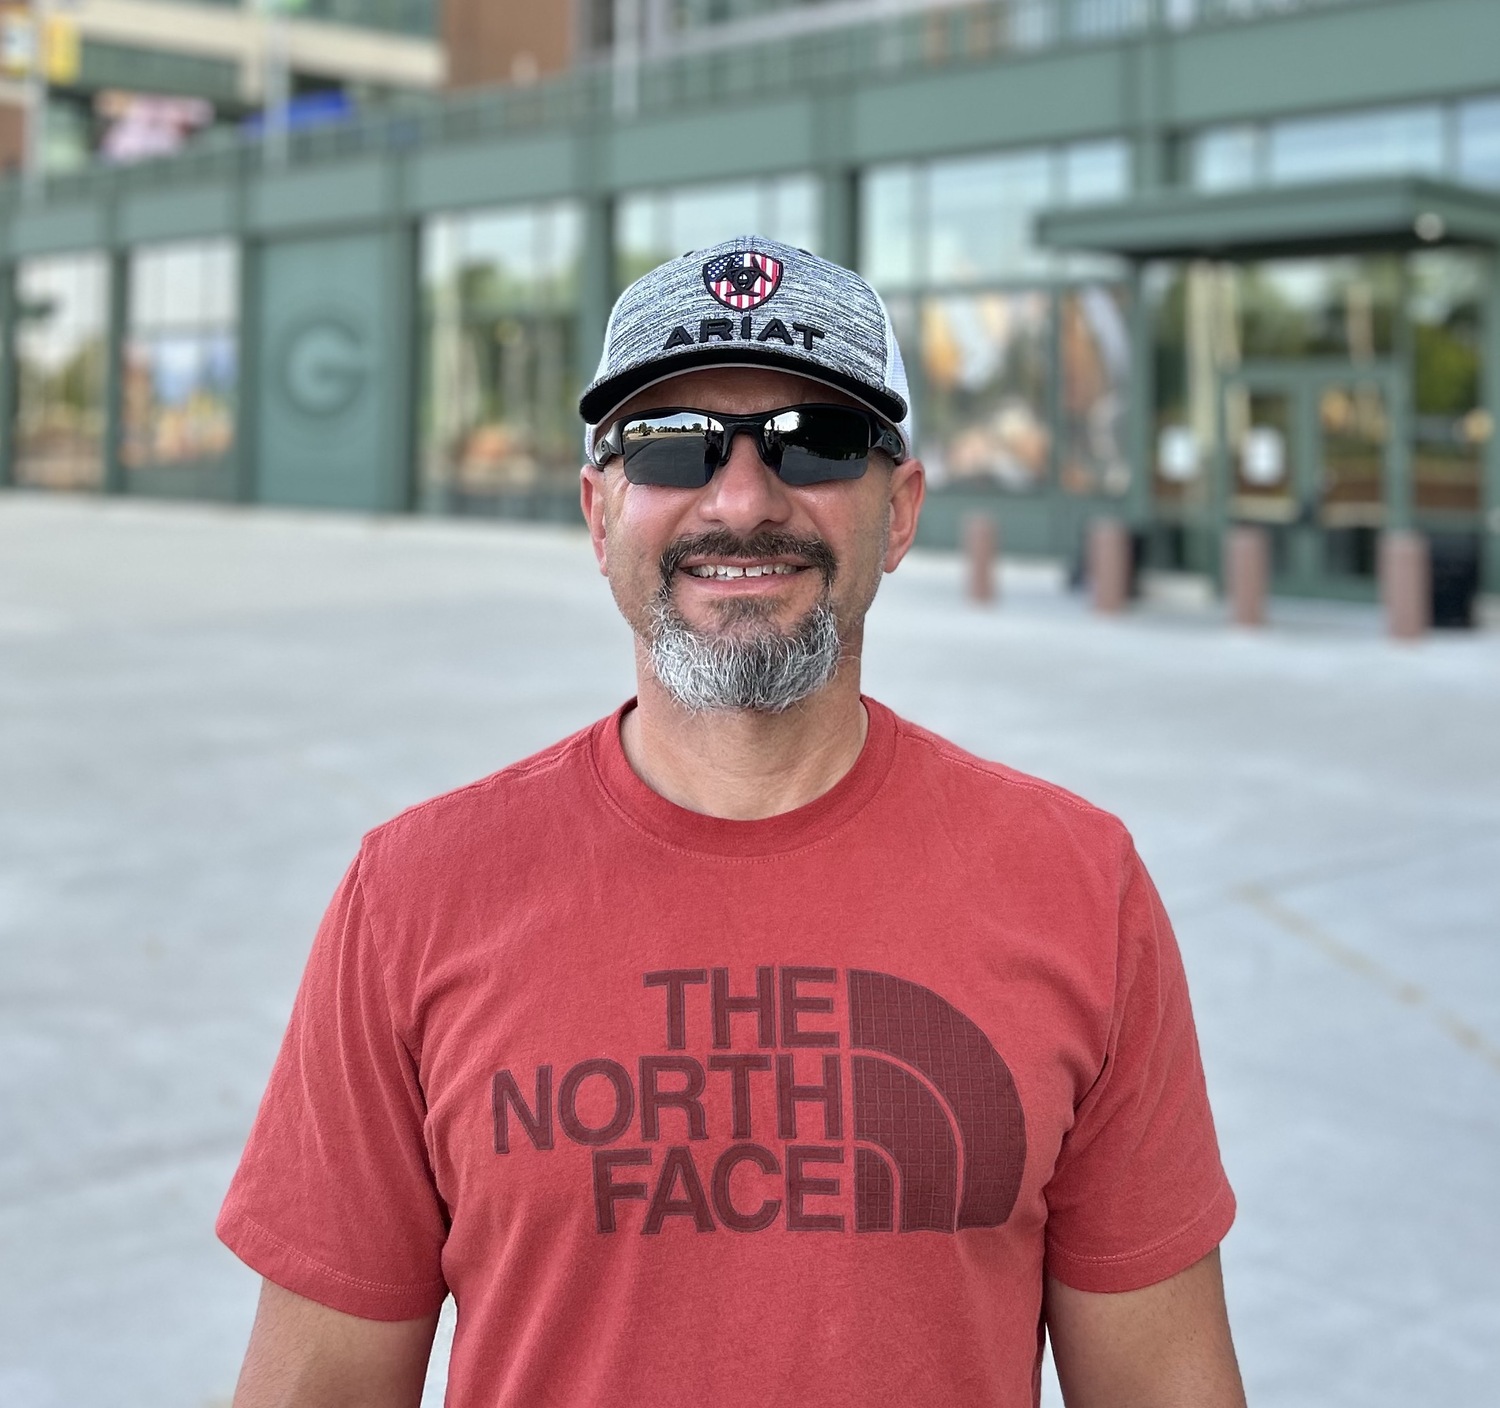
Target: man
(753, 1046)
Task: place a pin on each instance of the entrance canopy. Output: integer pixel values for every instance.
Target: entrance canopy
(1398, 212)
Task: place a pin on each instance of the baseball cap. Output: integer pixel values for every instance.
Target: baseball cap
(751, 302)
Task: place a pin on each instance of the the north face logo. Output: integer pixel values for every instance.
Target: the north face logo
(915, 1125)
(945, 1112)
(742, 280)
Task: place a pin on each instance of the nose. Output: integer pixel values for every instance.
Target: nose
(744, 493)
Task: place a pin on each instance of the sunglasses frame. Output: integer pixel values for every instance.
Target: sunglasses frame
(610, 445)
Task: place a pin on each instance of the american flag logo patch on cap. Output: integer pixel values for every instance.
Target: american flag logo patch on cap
(742, 280)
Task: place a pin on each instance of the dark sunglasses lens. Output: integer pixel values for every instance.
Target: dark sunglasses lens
(819, 443)
(677, 451)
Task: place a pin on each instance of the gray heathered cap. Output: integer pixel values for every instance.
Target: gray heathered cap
(751, 302)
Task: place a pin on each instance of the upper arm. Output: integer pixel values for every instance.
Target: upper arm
(1165, 1346)
(304, 1355)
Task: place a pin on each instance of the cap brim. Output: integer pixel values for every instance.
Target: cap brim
(601, 398)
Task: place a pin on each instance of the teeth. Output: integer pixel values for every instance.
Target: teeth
(723, 570)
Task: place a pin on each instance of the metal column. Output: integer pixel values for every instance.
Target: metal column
(116, 334)
(9, 373)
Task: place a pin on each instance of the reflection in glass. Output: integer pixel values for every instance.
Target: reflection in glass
(888, 223)
(1196, 333)
(500, 293)
(1264, 482)
(970, 220)
(1179, 456)
(1353, 430)
(1095, 171)
(61, 312)
(1479, 142)
(1095, 356)
(1450, 425)
(1380, 142)
(1210, 318)
(1334, 146)
(1226, 158)
(980, 216)
(401, 16)
(1338, 307)
(984, 364)
(654, 226)
(181, 367)
(1090, 173)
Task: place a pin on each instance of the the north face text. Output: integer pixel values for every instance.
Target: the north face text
(908, 1120)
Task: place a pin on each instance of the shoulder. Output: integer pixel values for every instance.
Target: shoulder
(1004, 785)
(483, 816)
(1002, 802)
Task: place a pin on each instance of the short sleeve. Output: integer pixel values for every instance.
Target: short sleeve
(1139, 1193)
(334, 1198)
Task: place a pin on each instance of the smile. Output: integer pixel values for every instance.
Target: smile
(726, 570)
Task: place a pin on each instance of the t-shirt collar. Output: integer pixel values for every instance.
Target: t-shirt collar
(685, 830)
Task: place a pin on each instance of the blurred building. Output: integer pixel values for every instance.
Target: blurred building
(1184, 262)
(130, 79)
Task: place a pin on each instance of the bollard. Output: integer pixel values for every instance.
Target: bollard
(1247, 573)
(981, 539)
(1405, 583)
(1109, 564)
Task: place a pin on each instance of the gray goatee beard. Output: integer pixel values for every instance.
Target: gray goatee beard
(766, 672)
(753, 666)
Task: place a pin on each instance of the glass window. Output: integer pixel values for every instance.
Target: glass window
(1089, 173)
(181, 367)
(1195, 323)
(403, 16)
(888, 223)
(500, 298)
(985, 370)
(1226, 158)
(62, 314)
(980, 215)
(1210, 318)
(1095, 171)
(1337, 307)
(1450, 426)
(971, 220)
(1104, 19)
(1389, 140)
(1094, 352)
(654, 226)
(974, 297)
(1479, 142)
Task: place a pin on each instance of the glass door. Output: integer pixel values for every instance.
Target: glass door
(1353, 427)
(1308, 451)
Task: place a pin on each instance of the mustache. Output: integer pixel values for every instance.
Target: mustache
(720, 542)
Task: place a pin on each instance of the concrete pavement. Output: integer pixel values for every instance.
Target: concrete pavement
(201, 710)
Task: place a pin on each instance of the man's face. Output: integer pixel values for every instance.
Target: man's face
(748, 558)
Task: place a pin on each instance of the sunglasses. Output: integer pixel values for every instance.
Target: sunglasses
(679, 448)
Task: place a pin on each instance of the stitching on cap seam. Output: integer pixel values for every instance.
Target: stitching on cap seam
(360, 1281)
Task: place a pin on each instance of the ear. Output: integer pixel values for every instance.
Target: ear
(907, 490)
(591, 499)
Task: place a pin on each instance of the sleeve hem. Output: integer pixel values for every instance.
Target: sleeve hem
(1134, 1270)
(293, 1270)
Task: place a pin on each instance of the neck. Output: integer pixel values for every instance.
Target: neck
(741, 765)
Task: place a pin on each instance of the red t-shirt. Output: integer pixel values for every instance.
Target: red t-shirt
(689, 1111)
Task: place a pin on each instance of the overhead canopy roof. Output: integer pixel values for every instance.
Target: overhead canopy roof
(1398, 212)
